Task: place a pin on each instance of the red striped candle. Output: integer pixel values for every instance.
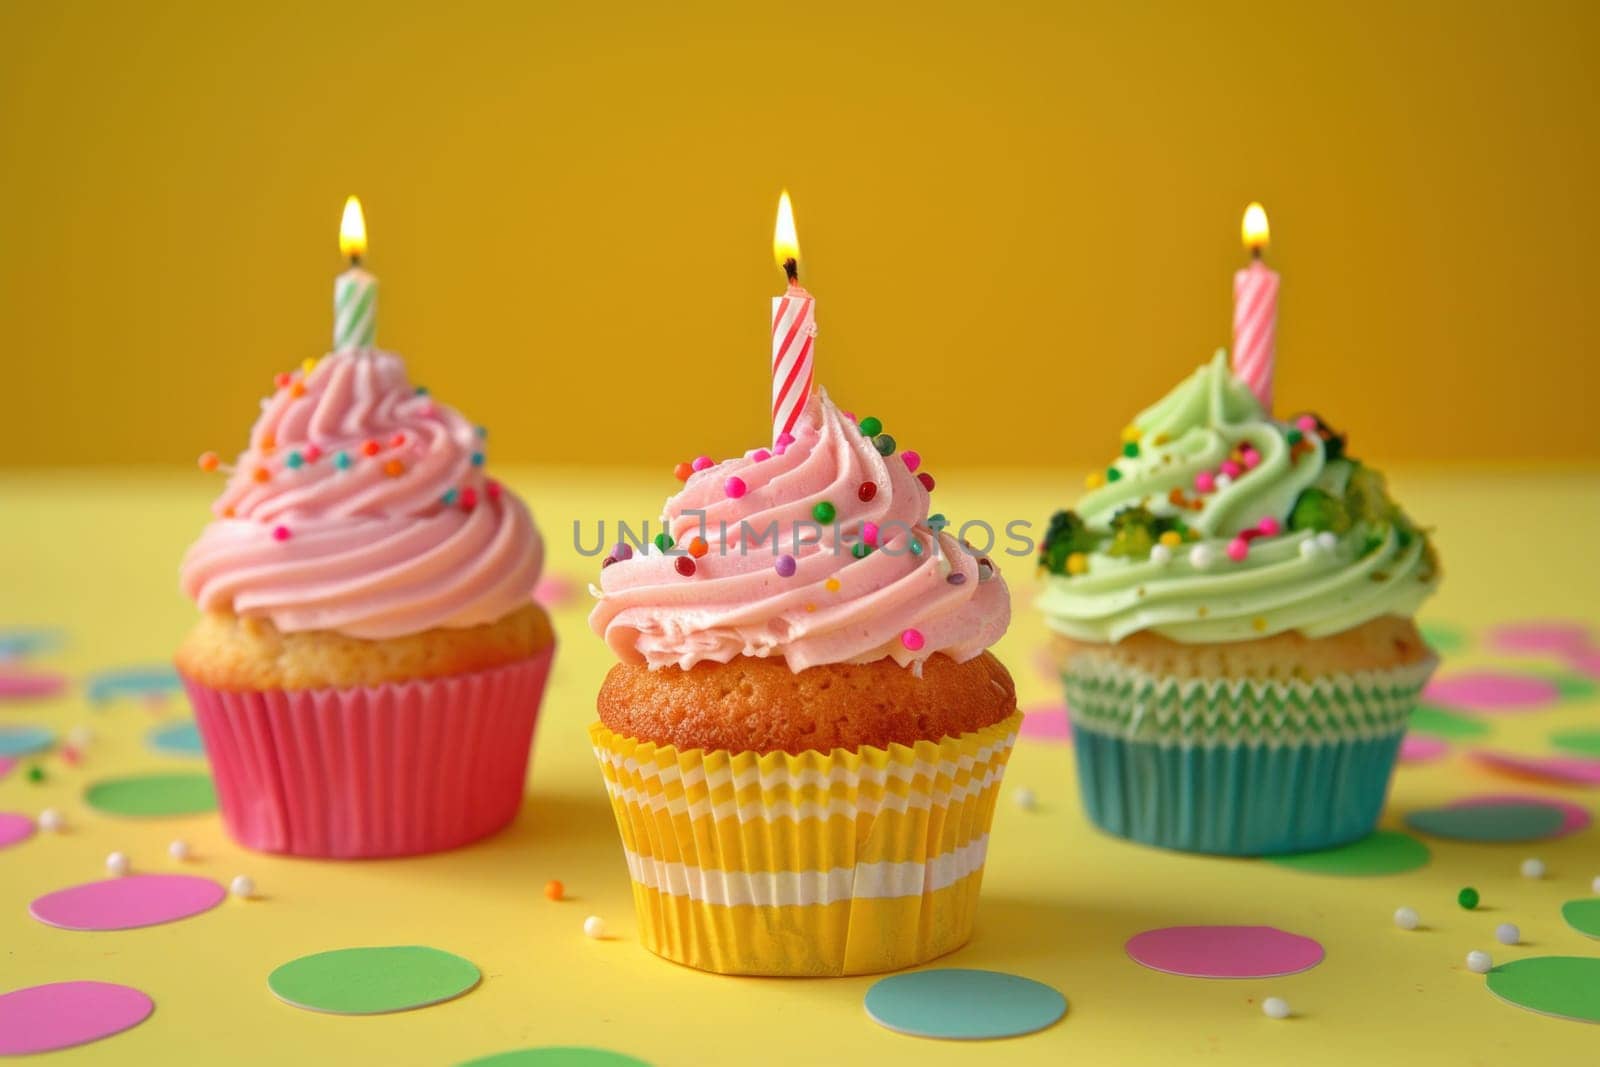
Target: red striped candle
(794, 327)
(1255, 311)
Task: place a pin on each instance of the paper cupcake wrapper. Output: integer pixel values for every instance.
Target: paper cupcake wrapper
(849, 862)
(1238, 768)
(366, 772)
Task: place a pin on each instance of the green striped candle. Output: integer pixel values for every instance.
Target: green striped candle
(355, 292)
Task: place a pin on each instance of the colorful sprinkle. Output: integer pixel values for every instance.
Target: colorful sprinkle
(831, 585)
(397, 441)
(869, 533)
(554, 890)
(1204, 482)
(342, 460)
(1171, 538)
(1293, 436)
(1307, 423)
(1113, 475)
(1467, 898)
(927, 481)
(477, 459)
(370, 448)
(956, 578)
(913, 639)
(785, 566)
(664, 540)
(702, 462)
(280, 533)
(697, 547)
(1231, 469)
(297, 390)
(394, 468)
(494, 490)
(885, 444)
(1077, 563)
(682, 471)
(785, 440)
(867, 491)
(871, 427)
(294, 461)
(1094, 480)
(621, 550)
(1130, 449)
(312, 453)
(1131, 433)
(824, 511)
(447, 498)
(262, 474)
(937, 521)
(1238, 549)
(684, 566)
(281, 380)
(208, 461)
(735, 488)
(268, 442)
(1252, 459)
(1269, 527)
(860, 550)
(912, 460)
(469, 499)
(916, 548)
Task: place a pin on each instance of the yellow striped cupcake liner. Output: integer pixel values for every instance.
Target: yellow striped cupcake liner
(849, 862)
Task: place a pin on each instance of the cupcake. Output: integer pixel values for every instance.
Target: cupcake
(805, 735)
(1232, 605)
(369, 662)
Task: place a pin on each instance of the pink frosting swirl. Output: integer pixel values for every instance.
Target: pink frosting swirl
(361, 506)
(896, 601)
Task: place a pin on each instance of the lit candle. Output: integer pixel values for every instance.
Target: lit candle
(355, 292)
(794, 327)
(1255, 311)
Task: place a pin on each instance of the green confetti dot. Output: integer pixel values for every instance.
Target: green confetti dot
(1579, 742)
(1564, 986)
(557, 1056)
(1444, 638)
(1428, 719)
(371, 981)
(153, 794)
(1385, 852)
(1583, 915)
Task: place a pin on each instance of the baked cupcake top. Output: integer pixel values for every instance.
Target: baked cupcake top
(818, 550)
(361, 506)
(1220, 523)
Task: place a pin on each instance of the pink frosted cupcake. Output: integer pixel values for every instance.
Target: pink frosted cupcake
(370, 661)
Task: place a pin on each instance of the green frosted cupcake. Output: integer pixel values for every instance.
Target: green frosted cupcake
(1232, 606)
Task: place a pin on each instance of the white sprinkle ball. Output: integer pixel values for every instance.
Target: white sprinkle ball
(1327, 540)
(242, 886)
(117, 864)
(1479, 962)
(1202, 556)
(1595, 885)
(1275, 1008)
(1532, 868)
(80, 736)
(179, 850)
(1223, 481)
(1025, 798)
(1160, 554)
(1310, 548)
(594, 927)
(1407, 918)
(1507, 934)
(50, 821)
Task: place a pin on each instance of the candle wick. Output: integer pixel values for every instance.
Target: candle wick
(792, 269)
(355, 260)
(1255, 251)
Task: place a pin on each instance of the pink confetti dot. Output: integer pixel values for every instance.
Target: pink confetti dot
(1420, 748)
(1492, 691)
(127, 902)
(1205, 482)
(1224, 951)
(1563, 638)
(1565, 770)
(734, 487)
(913, 460)
(44, 1018)
(14, 828)
(1238, 549)
(912, 639)
(30, 685)
(1047, 723)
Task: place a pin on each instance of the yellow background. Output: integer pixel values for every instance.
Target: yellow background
(1059, 899)
(571, 206)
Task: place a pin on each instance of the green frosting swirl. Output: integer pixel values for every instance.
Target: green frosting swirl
(1344, 553)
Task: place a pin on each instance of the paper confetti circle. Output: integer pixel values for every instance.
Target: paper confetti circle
(1583, 915)
(176, 739)
(1384, 852)
(25, 740)
(1444, 638)
(1545, 636)
(128, 902)
(1492, 691)
(1578, 742)
(1489, 822)
(1566, 770)
(1420, 748)
(1046, 723)
(30, 685)
(160, 679)
(59, 1015)
(153, 794)
(1567, 987)
(959, 1004)
(1428, 719)
(14, 828)
(557, 1056)
(371, 981)
(1224, 951)
(1574, 816)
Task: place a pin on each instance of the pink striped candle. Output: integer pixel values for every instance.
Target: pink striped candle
(1255, 311)
(794, 327)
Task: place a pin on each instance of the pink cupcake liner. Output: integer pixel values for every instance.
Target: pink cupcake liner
(366, 772)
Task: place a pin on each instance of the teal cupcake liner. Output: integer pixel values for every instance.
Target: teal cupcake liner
(1239, 768)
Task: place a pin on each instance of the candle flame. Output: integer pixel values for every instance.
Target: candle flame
(785, 243)
(1254, 228)
(352, 230)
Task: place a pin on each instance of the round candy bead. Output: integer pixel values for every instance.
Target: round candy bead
(312, 453)
(209, 461)
(370, 448)
(1252, 459)
(594, 927)
(1205, 482)
(684, 566)
(869, 533)
(1275, 1008)
(702, 462)
(242, 886)
(554, 890)
(1532, 868)
(448, 497)
(927, 481)
(1160, 554)
(1202, 556)
(760, 455)
(734, 487)
(342, 460)
(697, 547)
(1479, 962)
(867, 491)
(178, 850)
(469, 499)
(50, 821)
(621, 551)
(823, 511)
(860, 550)
(1407, 918)
(682, 471)
(394, 468)
(1269, 527)
(884, 443)
(1224, 480)
(1238, 549)
(785, 566)
(280, 533)
(117, 864)
(663, 540)
(956, 578)
(1130, 449)
(1231, 469)
(1327, 540)
(916, 548)
(477, 459)
(912, 459)
(1467, 898)
(1507, 934)
(912, 639)
(1307, 423)
(1113, 475)
(871, 427)
(1024, 798)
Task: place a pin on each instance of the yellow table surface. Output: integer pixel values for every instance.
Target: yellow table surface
(95, 553)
